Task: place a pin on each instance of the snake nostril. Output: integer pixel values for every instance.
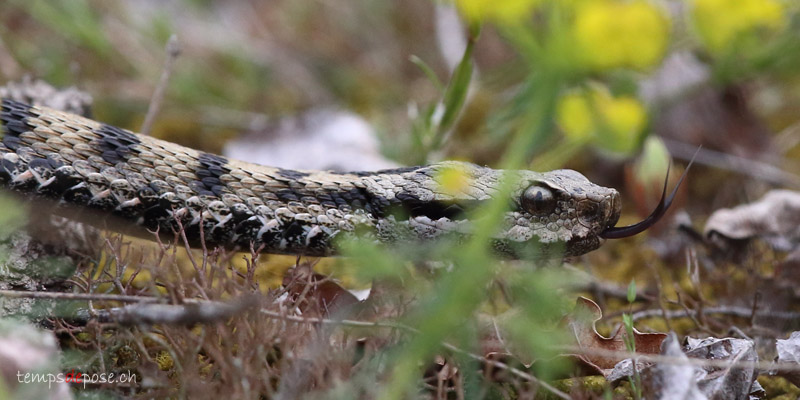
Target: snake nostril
(588, 212)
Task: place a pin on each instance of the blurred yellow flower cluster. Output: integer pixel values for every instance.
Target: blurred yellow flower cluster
(721, 23)
(613, 33)
(606, 33)
(614, 124)
(503, 11)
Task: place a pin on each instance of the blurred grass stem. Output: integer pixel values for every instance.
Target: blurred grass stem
(464, 289)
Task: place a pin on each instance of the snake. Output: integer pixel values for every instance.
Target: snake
(152, 185)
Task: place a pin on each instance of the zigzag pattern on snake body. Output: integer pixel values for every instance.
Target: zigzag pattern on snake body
(159, 186)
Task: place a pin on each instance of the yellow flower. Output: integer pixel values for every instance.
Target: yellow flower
(504, 11)
(720, 23)
(575, 116)
(614, 124)
(613, 34)
(625, 118)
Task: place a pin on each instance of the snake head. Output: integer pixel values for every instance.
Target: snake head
(554, 213)
(548, 215)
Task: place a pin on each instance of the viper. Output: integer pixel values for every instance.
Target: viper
(159, 186)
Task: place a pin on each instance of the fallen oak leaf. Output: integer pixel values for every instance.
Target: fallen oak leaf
(582, 323)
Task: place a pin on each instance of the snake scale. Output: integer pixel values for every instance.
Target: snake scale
(162, 186)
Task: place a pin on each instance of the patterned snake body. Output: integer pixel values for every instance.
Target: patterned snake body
(162, 186)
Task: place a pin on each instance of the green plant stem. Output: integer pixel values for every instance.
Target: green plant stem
(456, 92)
(463, 290)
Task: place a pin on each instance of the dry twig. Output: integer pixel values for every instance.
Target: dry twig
(173, 51)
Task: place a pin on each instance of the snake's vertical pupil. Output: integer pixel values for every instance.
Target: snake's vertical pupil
(538, 200)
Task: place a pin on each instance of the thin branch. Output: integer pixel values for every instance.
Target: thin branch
(757, 169)
(341, 322)
(742, 312)
(173, 51)
(660, 295)
(171, 314)
(18, 294)
(754, 309)
(769, 366)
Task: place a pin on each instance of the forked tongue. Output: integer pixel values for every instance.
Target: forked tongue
(661, 209)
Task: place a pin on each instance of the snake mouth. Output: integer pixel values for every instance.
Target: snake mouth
(655, 216)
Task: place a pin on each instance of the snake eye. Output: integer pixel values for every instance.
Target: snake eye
(538, 200)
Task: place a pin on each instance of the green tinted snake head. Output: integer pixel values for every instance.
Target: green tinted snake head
(562, 209)
(549, 214)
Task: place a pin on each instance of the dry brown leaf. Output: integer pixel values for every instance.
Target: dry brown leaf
(581, 322)
(775, 218)
(672, 380)
(316, 292)
(789, 352)
(731, 382)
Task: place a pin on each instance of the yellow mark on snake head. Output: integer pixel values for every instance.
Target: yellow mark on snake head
(453, 180)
